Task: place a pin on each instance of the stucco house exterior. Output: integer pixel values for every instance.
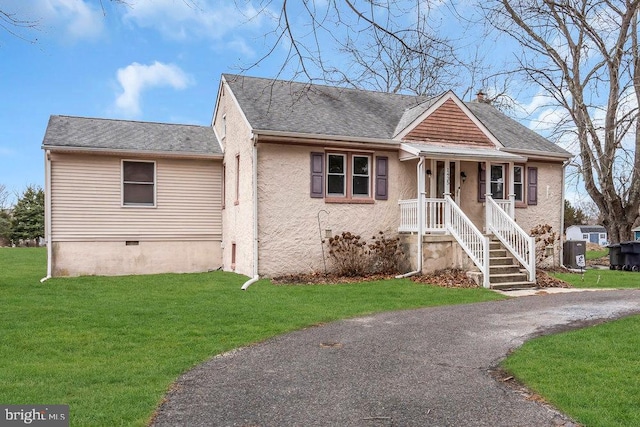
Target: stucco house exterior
(283, 165)
(589, 233)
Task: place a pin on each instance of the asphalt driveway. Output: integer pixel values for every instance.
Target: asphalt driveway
(426, 367)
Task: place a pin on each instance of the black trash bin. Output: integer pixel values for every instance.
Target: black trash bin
(616, 259)
(631, 252)
(574, 250)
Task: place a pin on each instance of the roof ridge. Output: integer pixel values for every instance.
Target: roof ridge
(334, 87)
(128, 120)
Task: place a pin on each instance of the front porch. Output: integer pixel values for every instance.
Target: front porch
(458, 224)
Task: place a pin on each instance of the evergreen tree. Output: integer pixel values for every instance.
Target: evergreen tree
(27, 222)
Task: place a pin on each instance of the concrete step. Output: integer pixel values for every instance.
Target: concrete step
(507, 278)
(513, 286)
(495, 244)
(503, 268)
(500, 261)
(497, 253)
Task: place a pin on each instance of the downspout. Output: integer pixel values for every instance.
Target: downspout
(47, 212)
(562, 192)
(421, 195)
(255, 277)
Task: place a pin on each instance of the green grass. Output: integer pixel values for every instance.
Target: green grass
(604, 279)
(597, 254)
(110, 347)
(591, 374)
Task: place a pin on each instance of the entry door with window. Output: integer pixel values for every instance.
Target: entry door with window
(440, 167)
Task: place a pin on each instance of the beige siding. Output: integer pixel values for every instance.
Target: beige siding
(87, 201)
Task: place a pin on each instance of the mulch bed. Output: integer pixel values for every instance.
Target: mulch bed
(449, 278)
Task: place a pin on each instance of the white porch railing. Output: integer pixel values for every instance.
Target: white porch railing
(434, 215)
(505, 205)
(474, 243)
(512, 236)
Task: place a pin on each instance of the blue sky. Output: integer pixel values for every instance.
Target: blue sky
(154, 60)
(151, 60)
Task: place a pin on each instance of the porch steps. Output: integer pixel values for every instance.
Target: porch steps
(504, 273)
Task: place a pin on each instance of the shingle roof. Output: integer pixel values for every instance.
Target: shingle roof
(285, 106)
(511, 133)
(276, 105)
(592, 229)
(124, 135)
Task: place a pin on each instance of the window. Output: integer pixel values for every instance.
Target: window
(360, 179)
(348, 177)
(138, 183)
(237, 200)
(233, 256)
(518, 183)
(497, 181)
(336, 174)
(224, 185)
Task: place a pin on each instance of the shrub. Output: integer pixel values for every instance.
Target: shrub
(386, 254)
(352, 256)
(543, 237)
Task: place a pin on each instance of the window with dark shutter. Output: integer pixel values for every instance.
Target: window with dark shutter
(317, 175)
(382, 178)
(532, 186)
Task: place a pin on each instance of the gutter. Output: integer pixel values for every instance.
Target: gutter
(421, 194)
(140, 153)
(256, 276)
(385, 142)
(47, 212)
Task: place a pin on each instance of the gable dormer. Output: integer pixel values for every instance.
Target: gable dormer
(448, 121)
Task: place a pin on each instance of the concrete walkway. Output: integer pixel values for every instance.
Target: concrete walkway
(426, 367)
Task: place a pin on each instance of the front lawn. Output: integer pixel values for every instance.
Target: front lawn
(110, 347)
(591, 374)
(601, 278)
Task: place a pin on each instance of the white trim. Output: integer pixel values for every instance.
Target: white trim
(155, 185)
(442, 152)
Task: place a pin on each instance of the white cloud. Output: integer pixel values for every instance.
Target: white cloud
(136, 78)
(202, 19)
(70, 19)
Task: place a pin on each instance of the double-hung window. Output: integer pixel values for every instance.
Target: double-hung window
(348, 176)
(344, 177)
(518, 183)
(336, 175)
(138, 183)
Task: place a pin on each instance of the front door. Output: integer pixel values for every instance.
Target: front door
(441, 180)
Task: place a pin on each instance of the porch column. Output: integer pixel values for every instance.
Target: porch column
(487, 195)
(512, 192)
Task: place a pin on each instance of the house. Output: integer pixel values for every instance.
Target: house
(590, 233)
(636, 233)
(285, 164)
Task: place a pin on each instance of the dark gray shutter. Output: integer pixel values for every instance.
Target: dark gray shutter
(317, 175)
(382, 178)
(482, 183)
(532, 186)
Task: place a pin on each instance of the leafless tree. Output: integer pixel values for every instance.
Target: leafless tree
(583, 55)
(384, 45)
(4, 197)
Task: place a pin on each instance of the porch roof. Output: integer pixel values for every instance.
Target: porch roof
(450, 152)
